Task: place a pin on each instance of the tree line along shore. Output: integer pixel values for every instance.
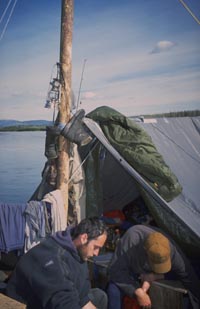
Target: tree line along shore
(21, 128)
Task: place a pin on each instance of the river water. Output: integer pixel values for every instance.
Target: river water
(22, 160)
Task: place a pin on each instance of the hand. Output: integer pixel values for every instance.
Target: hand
(89, 305)
(143, 298)
(145, 286)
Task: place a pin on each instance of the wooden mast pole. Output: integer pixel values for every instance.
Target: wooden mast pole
(64, 112)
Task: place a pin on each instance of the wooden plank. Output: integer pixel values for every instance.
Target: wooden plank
(9, 303)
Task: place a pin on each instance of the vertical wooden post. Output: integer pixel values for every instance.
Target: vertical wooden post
(64, 112)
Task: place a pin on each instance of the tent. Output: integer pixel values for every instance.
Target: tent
(117, 173)
(112, 182)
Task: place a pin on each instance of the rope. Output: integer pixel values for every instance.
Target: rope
(9, 17)
(169, 138)
(2, 17)
(91, 150)
(190, 12)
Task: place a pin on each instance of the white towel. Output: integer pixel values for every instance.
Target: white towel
(58, 212)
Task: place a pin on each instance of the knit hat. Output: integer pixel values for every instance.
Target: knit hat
(158, 251)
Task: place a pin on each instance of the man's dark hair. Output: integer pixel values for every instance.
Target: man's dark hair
(93, 227)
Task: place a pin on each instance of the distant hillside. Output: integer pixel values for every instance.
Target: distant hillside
(28, 123)
(35, 125)
(193, 113)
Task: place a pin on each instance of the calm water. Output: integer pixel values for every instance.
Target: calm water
(21, 163)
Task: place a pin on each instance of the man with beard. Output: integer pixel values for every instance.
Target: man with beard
(54, 274)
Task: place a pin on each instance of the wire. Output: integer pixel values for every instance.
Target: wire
(9, 17)
(189, 11)
(2, 17)
(80, 84)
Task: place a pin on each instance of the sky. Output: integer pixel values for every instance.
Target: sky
(140, 56)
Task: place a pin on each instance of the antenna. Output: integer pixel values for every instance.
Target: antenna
(80, 84)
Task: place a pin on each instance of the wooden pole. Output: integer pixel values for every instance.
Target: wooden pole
(64, 111)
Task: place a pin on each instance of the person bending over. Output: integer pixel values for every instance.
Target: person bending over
(145, 254)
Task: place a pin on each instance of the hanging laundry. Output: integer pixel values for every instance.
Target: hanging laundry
(58, 212)
(12, 225)
(35, 226)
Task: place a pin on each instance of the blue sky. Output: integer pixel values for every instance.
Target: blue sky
(143, 56)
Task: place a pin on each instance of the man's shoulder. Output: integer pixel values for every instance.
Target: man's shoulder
(43, 248)
(135, 236)
(140, 229)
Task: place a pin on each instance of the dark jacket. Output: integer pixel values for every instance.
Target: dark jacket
(51, 275)
(130, 260)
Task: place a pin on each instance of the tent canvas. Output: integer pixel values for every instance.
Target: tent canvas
(115, 182)
(178, 140)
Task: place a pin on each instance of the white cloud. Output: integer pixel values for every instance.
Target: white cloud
(88, 95)
(163, 46)
(142, 95)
